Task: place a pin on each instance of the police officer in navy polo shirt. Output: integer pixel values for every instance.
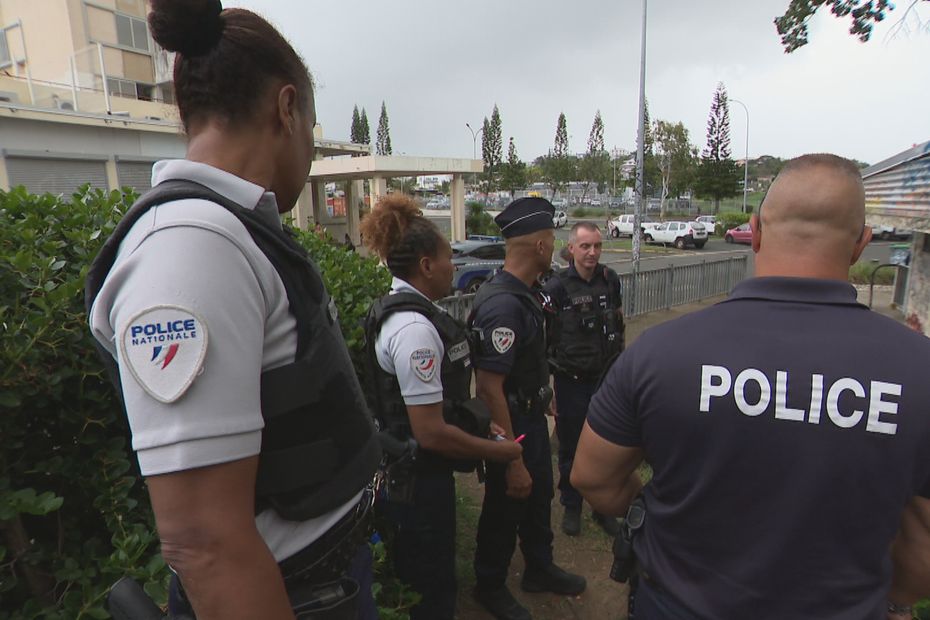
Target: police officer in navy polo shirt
(787, 433)
(513, 380)
(586, 335)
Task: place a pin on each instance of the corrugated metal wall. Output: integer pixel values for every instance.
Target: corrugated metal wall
(135, 174)
(900, 191)
(55, 176)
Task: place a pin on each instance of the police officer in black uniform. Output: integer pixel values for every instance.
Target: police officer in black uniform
(248, 420)
(586, 335)
(787, 434)
(419, 385)
(513, 380)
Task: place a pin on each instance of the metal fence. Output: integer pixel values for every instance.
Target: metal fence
(656, 289)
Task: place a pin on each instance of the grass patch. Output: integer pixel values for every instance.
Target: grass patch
(861, 272)
(467, 511)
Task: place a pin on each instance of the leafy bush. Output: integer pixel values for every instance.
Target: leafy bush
(74, 516)
(726, 221)
(478, 221)
(861, 273)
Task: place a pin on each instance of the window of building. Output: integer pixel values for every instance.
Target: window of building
(132, 32)
(122, 88)
(5, 58)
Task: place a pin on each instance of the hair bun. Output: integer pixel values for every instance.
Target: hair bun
(189, 27)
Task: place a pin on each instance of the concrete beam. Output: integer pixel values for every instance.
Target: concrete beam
(388, 166)
(457, 201)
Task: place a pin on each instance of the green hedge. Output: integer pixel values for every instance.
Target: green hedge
(726, 221)
(74, 514)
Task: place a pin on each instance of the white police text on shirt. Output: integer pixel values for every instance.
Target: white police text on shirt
(718, 382)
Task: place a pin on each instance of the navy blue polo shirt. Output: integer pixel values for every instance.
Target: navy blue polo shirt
(787, 427)
(506, 323)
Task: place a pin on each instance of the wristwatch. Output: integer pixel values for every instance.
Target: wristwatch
(894, 608)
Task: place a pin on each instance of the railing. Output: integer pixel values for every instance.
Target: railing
(657, 289)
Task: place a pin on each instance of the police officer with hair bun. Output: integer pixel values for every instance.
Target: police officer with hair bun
(249, 424)
(419, 384)
(513, 380)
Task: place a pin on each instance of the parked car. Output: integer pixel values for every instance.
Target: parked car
(474, 261)
(679, 234)
(595, 202)
(740, 234)
(559, 219)
(622, 226)
(890, 232)
(710, 223)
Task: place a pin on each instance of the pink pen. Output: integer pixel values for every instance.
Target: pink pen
(520, 438)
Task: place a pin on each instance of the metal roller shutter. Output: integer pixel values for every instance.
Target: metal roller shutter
(135, 174)
(55, 176)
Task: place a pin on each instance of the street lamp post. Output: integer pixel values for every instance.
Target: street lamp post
(746, 161)
(474, 146)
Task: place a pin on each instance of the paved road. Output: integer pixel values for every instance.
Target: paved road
(656, 257)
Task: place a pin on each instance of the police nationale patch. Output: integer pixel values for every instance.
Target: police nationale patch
(164, 348)
(423, 362)
(502, 338)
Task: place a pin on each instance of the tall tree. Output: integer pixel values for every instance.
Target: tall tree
(513, 171)
(558, 167)
(792, 26)
(717, 176)
(674, 156)
(383, 144)
(594, 168)
(355, 133)
(492, 150)
(364, 135)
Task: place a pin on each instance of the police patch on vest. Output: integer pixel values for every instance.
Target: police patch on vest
(423, 362)
(164, 348)
(459, 351)
(502, 338)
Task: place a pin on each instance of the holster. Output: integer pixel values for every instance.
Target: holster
(530, 405)
(337, 600)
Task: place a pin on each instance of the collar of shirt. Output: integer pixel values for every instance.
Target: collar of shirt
(402, 286)
(803, 290)
(237, 189)
(573, 273)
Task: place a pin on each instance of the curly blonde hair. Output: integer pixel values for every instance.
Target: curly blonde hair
(397, 232)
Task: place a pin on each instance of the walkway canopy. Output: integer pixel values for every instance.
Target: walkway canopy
(377, 169)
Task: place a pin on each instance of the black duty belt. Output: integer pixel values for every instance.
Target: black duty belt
(328, 557)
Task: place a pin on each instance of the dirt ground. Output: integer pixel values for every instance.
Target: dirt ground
(590, 553)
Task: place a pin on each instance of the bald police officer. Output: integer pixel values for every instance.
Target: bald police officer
(513, 380)
(786, 442)
(586, 335)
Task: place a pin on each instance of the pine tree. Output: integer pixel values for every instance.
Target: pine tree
(558, 167)
(355, 132)
(595, 167)
(561, 137)
(513, 171)
(364, 129)
(383, 144)
(491, 150)
(717, 176)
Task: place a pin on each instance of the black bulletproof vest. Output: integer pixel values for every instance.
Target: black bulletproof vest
(455, 370)
(318, 448)
(588, 330)
(530, 371)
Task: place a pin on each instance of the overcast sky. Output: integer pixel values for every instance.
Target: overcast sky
(438, 65)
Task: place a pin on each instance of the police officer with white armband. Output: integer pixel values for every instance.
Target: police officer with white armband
(787, 429)
(586, 335)
(513, 380)
(419, 385)
(247, 418)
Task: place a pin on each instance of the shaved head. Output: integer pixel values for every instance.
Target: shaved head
(812, 218)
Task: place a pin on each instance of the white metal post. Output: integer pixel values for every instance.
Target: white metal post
(103, 76)
(746, 164)
(74, 97)
(640, 203)
(22, 39)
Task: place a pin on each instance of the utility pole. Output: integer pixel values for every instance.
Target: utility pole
(640, 202)
(746, 163)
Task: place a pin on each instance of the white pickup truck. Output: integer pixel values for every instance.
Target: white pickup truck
(679, 234)
(622, 226)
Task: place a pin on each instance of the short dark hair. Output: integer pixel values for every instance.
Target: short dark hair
(226, 59)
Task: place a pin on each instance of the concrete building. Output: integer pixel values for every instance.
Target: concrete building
(86, 97)
(898, 195)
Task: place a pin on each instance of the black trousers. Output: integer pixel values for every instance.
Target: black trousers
(423, 548)
(572, 399)
(503, 518)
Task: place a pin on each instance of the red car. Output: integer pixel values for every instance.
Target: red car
(740, 234)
